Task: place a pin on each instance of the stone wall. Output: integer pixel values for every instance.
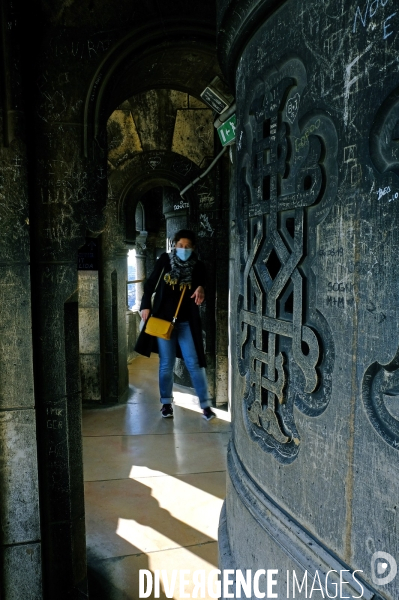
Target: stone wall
(20, 543)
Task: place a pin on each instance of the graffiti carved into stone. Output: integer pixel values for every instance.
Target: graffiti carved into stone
(287, 184)
(380, 388)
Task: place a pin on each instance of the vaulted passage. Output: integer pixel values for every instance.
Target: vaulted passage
(103, 126)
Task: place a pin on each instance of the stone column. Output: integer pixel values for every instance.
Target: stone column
(20, 539)
(176, 211)
(315, 306)
(89, 336)
(112, 288)
(222, 230)
(113, 271)
(68, 198)
(204, 219)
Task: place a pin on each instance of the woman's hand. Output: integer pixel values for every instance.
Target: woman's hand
(199, 295)
(145, 313)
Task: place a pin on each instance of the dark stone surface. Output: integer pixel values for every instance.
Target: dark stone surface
(71, 191)
(237, 21)
(315, 275)
(15, 331)
(19, 512)
(18, 582)
(65, 567)
(14, 208)
(59, 430)
(20, 549)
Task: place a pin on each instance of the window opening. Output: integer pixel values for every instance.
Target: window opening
(131, 283)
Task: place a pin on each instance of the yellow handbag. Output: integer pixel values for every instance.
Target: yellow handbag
(161, 328)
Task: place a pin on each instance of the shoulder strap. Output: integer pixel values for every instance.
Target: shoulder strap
(159, 279)
(178, 306)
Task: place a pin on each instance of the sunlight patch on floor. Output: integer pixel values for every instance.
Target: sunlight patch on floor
(179, 502)
(143, 537)
(191, 402)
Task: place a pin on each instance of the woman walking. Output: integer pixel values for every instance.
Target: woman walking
(173, 271)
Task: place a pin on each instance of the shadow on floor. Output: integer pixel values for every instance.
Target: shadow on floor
(101, 586)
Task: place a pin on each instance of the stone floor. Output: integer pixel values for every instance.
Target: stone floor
(153, 487)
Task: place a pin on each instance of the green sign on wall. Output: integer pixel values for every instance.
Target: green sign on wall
(227, 131)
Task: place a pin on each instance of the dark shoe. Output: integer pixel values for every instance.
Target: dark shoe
(208, 413)
(167, 410)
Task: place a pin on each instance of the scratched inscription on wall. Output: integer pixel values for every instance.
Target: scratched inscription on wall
(206, 229)
(370, 14)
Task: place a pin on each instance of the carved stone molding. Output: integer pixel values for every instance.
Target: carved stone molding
(238, 20)
(380, 393)
(380, 386)
(287, 181)
(384, 136)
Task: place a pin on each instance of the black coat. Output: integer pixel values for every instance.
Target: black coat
(147, 343)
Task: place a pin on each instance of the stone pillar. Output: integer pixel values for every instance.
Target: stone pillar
(312, 481)
(112, 294)
(68, 203)
(207, 223)
(222, 231)
(20, 538)
(176, 211)
(89, 336)
(113, 318)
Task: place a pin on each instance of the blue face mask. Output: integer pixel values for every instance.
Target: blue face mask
(184, 253)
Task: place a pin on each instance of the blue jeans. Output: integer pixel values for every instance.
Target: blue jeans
(167, 359)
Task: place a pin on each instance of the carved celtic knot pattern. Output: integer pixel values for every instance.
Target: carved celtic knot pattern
(287, 183)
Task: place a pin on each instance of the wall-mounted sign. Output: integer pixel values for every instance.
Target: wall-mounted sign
(217, 95)
(214, 100)
(227, 131)
(88, 256)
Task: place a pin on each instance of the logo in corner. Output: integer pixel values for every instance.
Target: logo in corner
(383, 568)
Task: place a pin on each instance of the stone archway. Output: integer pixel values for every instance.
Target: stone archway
(149, 61)
(167, 169)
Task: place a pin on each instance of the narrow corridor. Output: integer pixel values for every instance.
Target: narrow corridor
(153, 487)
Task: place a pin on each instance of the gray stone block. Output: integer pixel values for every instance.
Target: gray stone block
(22, 576)
(89, 333)
(14, 206)
(221, 379)
(90, 377)
(88, 289)
(19, 508)
(15, 333)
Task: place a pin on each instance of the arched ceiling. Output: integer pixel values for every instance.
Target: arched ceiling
(160, 120)
(182, 57)
(184, 65)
